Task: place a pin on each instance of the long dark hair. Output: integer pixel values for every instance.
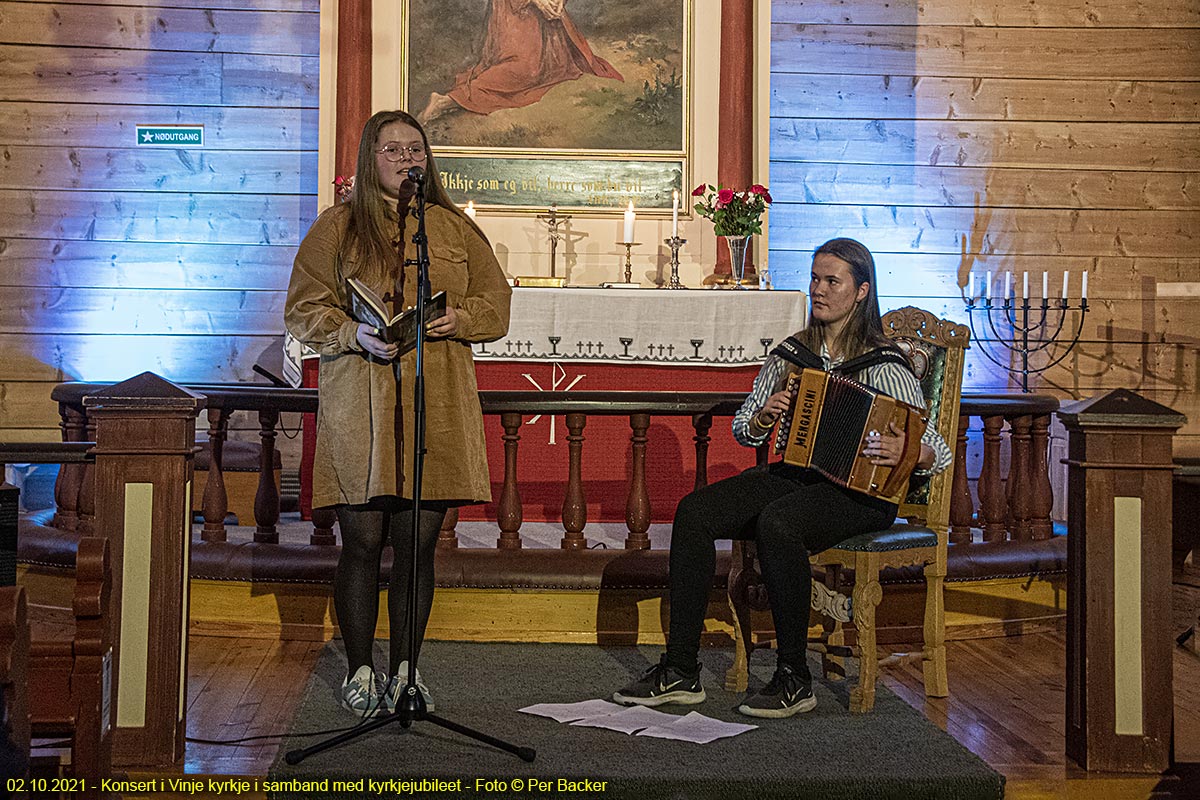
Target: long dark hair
(863, 331)
(369, 233)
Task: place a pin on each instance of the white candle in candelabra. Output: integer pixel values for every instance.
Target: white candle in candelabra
(629, 218)
(1083, 294)
(1007, 285)
(674, 213)
(1024, 285)
(987, 285)
(1045, 285)
(1065, 274)
(470, 209)
(971, 286)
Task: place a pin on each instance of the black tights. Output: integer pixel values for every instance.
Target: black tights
(365, 530)
(791, 513)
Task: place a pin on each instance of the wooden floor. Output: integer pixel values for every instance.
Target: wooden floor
(1007, 706)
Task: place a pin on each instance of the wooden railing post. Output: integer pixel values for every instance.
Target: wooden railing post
(215, 504)
(322, 533)
(1041, 494)
(574, 511)
(993, 509)
(87, 485)
(1019, 485)
(266, 499)
(447, 538)
(703, 424)
(510, 514)
(637, 505)
(145, 436)
(961, 508)
(70, 476)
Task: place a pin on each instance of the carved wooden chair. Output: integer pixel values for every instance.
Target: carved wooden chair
(936, 348)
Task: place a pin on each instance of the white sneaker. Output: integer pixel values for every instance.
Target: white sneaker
(397, 685)
(359, 693)
(830, 603)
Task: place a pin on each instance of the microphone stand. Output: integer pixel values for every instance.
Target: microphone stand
(410, 706)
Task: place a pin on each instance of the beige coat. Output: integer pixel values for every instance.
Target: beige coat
(355, 455)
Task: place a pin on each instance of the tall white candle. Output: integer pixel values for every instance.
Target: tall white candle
(1045, 285)
(1007, 285)
(1065, 274)
(470, 209)
(971, 286)
(1024, 285)
(987, 285)
(629, 217)
(1083, 295)
(674, 213)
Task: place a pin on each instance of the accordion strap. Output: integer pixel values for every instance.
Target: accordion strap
(796, 352)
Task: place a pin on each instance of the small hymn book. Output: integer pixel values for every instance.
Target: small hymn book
(368, 307)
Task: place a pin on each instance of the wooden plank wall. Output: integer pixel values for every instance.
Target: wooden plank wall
(116, 258)
(960, 135)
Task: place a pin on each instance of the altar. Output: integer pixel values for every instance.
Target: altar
(593, 339)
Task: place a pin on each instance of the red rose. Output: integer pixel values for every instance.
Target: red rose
(767, 196)
(698, 191)
(725, 197)
(758, 188)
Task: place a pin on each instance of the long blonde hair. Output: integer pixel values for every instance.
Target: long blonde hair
(370, 230)
(863, 331)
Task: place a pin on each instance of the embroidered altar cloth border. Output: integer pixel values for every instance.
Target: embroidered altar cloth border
(713, 327)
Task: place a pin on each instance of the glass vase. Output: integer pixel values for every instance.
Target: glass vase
(739, 247)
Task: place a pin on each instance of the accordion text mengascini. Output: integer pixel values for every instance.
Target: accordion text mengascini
(831, 417)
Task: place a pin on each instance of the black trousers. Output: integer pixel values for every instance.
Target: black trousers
(791, 513)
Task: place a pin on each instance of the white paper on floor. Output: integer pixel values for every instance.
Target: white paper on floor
(639, 720)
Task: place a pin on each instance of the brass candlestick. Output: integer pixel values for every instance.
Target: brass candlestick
(674, 243)
(628, 283)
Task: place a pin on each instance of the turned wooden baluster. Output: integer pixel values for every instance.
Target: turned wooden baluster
(447, 538)
(87, 488)
(637, 506)
(266, 499)
(961, 509)
(1041, 503)
(70, 476)
(993, 508)
(703, 424)
(510, 514)
(574, 511)
(1018, 477)
(216, 501)
(322, 520)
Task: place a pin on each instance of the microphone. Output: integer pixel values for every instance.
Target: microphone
(416, 175)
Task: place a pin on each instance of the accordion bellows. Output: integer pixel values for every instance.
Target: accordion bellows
(831, 417)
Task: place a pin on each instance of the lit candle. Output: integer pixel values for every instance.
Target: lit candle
(1007, 285)
(470, 209)
(674, 213)
(971, 286)
(987, 285)
(1083, 295)
(1024, 285)
(1045, 285)
(629, 217)
(1065, 274)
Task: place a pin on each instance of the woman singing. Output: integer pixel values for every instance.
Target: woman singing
(364, 455)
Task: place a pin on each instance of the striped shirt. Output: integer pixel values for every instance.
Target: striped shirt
(889, 378)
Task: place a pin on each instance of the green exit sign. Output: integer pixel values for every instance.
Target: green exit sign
(170, 135)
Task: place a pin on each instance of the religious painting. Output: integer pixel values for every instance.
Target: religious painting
(532, 103)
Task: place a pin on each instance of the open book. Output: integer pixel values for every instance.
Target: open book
(367, 306)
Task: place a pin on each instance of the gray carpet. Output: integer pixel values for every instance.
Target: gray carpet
(827, 753)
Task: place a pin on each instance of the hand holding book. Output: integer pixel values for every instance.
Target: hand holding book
(398, 333)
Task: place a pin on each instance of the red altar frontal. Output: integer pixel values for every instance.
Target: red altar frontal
(614, 340)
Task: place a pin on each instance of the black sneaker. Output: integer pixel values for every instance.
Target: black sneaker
(662, 684)
(785, 695)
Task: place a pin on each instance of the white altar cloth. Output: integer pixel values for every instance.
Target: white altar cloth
(695, 327)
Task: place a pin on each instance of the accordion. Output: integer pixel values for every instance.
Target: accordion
(831, 418)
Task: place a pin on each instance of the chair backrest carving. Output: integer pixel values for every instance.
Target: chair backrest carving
(936, 348)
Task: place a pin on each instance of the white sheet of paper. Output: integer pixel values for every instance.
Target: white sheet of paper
(628, 720)
(569, 712)
(695, 727)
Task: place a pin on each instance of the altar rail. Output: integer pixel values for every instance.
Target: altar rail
(1012, 507)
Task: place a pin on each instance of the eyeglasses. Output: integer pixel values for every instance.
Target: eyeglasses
(393, 152)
